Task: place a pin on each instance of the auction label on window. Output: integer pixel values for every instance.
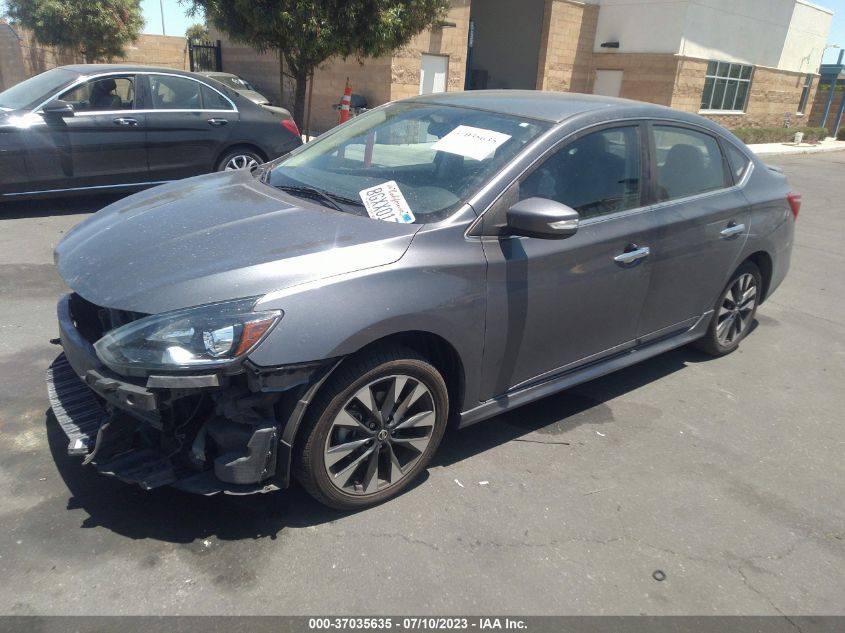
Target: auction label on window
(386, 202)
(472, 142)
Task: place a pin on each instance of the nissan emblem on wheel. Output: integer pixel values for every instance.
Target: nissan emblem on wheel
(433, 262)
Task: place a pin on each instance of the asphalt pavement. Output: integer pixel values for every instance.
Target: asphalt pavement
(725, 475)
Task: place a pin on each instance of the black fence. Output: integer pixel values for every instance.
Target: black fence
(205, 56)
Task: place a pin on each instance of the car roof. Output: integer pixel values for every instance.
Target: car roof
(550, 106)
(96, 69)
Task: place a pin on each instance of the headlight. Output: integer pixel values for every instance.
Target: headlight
(206, 336)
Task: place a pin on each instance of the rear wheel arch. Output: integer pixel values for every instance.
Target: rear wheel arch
(764, 263)
(236, 146)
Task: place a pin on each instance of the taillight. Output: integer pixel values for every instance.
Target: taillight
(290, 126)
(794, 199)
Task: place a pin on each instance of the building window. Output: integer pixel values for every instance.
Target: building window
(726, 87)
(805, 94)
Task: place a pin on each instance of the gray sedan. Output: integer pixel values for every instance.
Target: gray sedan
(437, 260)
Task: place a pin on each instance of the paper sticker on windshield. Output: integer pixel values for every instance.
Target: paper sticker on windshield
(472, 142)
(386, 202)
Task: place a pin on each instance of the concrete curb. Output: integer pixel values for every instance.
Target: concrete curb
(798, 150)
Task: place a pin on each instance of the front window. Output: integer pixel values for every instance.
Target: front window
(99, 95)
(596, 174)
(34, 90)
(726, 87)
(405, 162)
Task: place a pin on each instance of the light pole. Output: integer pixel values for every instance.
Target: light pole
(161, 6)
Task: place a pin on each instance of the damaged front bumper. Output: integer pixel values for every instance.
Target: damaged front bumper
(203, 433)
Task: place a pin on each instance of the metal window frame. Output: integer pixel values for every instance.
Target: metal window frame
(86, 78)
(805, 93)
(723, 72)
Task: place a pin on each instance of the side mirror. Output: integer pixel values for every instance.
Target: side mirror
(542, 218)
(58, 109)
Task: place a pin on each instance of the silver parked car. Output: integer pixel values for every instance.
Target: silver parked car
(439, 259)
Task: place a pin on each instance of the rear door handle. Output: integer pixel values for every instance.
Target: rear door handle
(125, 121)
(632, 254)
(732, 229)
(218, 121)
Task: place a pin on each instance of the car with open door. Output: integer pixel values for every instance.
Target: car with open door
(100, 128)
(438, 260)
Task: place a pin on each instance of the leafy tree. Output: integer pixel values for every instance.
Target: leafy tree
(197, 32)
(306, 33)
(98, 30)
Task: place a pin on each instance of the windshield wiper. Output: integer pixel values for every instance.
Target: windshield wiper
(313, 192)
(310, 192)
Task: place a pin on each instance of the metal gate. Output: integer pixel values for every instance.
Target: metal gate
(205, 56)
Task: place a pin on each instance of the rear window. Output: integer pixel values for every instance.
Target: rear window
(213, 100)
(688, 162)
(174, 93)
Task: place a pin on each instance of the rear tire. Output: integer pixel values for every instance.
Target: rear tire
(239, 158)
(372, 429)
(734, 312)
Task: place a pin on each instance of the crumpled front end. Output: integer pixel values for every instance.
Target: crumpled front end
(203, 432)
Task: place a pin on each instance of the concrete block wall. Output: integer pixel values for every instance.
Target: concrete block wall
(22, 57)
(646, 77)
(566, 46)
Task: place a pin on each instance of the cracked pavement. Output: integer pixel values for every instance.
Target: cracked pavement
(727, 475)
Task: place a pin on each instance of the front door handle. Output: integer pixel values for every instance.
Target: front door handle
(632, 253)
(218, 121)
(125, 121)
(732, 229)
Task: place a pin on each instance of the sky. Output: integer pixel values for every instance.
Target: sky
(175, 20)
(837, 28)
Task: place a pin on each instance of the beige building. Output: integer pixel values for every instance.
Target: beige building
(742, 63)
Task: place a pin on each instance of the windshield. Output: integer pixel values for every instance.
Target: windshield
(35, 89)
(406, 162)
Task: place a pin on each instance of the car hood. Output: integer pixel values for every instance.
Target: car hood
(214, 238)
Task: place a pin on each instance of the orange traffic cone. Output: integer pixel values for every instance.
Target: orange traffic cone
(345, 102)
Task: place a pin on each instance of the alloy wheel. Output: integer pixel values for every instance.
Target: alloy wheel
(240, 161)
(736, 309)
(379, 434)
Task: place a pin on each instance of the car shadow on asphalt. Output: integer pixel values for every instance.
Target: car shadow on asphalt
(71, 205)
(173, 516)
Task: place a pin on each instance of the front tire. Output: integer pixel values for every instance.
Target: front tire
(372, 429)
(734, 312)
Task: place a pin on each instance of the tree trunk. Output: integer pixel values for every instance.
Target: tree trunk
(281, 78)
(299, 98)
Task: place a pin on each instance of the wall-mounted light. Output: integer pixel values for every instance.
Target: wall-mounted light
(610, 44)
(445, 24)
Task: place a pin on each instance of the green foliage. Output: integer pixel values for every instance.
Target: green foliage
(840, 136)
(197, 32)
(99, 30)
(779, 134)
(309, 32)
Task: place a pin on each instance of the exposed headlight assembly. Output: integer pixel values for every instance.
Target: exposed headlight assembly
(194, 338)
